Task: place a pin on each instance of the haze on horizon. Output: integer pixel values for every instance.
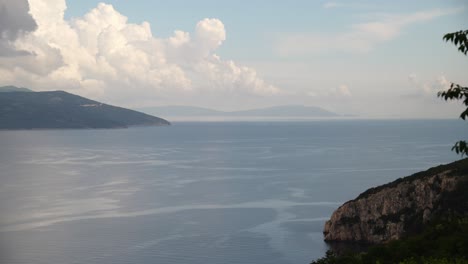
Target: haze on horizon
(367, 58)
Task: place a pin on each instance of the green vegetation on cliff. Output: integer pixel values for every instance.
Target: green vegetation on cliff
(443, 241)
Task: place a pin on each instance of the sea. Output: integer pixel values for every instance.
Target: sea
(199, 192)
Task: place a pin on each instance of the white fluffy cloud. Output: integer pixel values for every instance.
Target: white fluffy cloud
(428, 88)
(344, 90)
(104, 56)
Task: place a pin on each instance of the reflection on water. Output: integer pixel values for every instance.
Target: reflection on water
(197, 192)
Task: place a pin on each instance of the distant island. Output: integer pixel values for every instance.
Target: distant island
(285, 111)
(21, 108)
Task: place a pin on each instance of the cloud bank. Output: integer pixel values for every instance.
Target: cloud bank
(428, 88)
(102, 55)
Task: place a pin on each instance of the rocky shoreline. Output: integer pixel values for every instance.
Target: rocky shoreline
(401, 208)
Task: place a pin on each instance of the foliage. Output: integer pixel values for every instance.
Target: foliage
(460, 39)
(456, 91)
(435, 261)
(441, 242)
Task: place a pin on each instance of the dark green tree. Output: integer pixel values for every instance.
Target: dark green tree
(456, 91)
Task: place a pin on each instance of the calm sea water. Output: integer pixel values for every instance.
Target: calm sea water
(206, 193)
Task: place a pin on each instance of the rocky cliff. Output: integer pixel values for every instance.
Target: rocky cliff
(402, 207)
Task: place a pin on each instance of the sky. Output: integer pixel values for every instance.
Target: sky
(375, 59)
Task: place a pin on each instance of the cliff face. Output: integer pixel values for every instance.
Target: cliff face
(402, 207)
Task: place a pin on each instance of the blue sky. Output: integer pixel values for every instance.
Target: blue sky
(369, 58)
(252, 26)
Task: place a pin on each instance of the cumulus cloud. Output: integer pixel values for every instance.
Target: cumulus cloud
(344, 90)
(358, 38)
(104, 56)
(443, 83)
(428, 87)
(15, 21)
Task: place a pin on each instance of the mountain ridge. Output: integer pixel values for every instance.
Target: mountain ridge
(274, 111)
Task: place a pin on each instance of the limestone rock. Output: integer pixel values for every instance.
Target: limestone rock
(391, 211)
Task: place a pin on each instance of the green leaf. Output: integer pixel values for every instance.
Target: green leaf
(456, 91)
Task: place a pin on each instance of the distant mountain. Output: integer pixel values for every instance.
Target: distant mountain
(286, 111)
(276, 111)
(176, 110)
(6, 89)
(58, 109)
